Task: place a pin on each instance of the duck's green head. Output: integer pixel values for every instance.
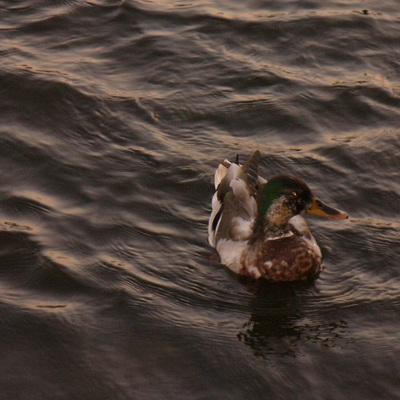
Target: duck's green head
(285, 196)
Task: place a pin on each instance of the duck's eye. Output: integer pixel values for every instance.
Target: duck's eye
(293, 194)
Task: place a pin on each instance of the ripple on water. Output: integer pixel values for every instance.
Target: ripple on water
(107, 160)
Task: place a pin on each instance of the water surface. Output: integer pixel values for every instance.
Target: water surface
(114, 117)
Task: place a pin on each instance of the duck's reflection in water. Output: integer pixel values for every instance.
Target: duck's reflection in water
(283, 322)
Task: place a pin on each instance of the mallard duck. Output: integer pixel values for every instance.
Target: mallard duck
(256, 226)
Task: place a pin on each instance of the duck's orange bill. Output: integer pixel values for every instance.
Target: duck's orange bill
(322, 210)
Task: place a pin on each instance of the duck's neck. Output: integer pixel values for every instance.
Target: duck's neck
(273, 224)
(273, 231)
(266, 229)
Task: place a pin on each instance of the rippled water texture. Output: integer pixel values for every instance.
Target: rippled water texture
(114, 116)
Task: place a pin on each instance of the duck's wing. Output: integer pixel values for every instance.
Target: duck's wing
(222, 170)
(233, 205)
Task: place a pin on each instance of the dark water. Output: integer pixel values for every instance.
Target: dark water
(113, 118)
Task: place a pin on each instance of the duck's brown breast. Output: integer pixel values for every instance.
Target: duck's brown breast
(286, 259)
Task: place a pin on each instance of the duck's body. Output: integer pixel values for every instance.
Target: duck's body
(255, 225)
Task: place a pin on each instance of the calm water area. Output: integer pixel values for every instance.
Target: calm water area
(113, 118)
